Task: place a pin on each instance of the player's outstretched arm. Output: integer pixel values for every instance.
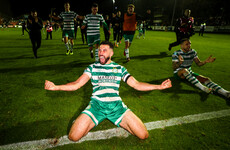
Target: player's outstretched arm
(72, 86)
(210, 59)
(141, 86)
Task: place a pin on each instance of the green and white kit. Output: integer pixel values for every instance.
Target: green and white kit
(105, 100)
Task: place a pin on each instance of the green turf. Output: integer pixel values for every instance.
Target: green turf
(28, 112)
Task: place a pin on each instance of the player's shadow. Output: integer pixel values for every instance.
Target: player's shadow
(56, 67)
(142, 57)
(176, 89)
(87, 93)
(28, 57)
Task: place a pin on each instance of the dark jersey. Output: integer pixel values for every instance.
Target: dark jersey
(185, 25)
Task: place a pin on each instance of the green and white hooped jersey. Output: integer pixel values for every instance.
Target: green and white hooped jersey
(188, 58)
(68, 20)
(93, 23)
(106, 80)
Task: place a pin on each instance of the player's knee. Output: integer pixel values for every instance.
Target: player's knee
(206, 79)
(182, 73)
(73, 137)
(144, 135)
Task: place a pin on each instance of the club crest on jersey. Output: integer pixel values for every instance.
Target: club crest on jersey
(115, 70)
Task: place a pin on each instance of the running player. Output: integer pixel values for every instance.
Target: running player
(184, 28)
(182, 61)
(106, 103)
(68, 18)
(129, 28)
(93, 21)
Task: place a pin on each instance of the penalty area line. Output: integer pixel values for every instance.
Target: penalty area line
(115, 132)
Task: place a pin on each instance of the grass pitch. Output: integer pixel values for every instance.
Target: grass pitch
(28, 112)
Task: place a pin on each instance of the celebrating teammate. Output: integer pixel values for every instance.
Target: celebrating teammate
(93, 21)
(129, 28)
(184, 28)
(68, 18)
(182, 62)
(106, 103)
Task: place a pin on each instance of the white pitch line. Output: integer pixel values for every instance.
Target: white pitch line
(115, 132)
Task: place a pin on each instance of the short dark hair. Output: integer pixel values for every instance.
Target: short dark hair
(94, 5)
(107, 43)
(183, 40)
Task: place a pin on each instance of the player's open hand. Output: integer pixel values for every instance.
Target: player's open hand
(210, 59)
(49, 85)
(166, 84)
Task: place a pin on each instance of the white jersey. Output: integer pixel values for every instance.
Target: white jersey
(93, 23)
(106, 80)
(68, 20)
(188, 59)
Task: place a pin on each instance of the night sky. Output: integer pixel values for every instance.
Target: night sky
(16, 8)
(200, 8)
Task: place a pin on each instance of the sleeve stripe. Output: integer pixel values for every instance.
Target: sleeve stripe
(126, 79)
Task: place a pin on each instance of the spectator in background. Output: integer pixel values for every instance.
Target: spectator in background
(184, 28)
(49, 30)
(35, 25)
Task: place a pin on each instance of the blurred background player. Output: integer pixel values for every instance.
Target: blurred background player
(117, 27)
(49, 30)
(34, 24)
(182, 61)
(68, 18)
(23, 24)
(92, 21)
(202, 28)
(140, 31)
(83, 32)
(184, 28)
(106, 33)
(129, 28)
(76, 25)
(149, 19)
(144, 28)
(121, 26)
